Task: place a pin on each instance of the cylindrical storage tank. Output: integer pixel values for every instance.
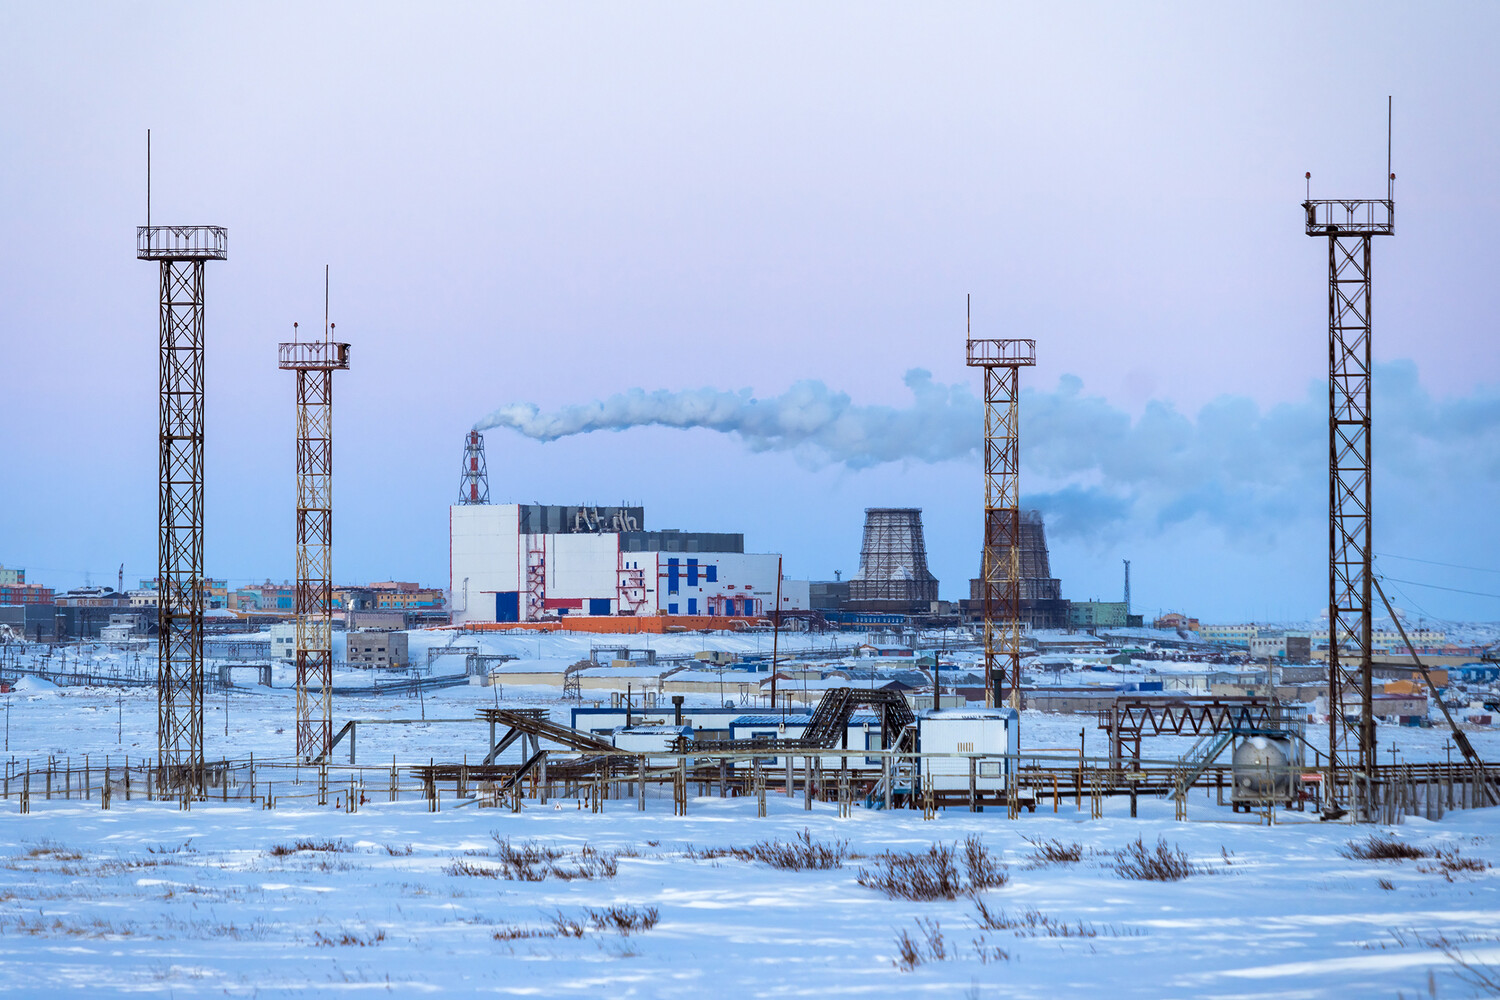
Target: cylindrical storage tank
(1263, 770)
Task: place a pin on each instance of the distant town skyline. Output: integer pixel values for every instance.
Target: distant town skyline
(527, 206)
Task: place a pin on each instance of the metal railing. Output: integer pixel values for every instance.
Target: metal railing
(181, 243)
(1356, 217)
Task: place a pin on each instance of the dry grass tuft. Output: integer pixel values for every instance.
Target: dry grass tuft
(804, 854)
(531, 862)
(935, 873)
(623, 920)
(347, 940)
(1052, 852)
(1154, 864)
(332, 846)
(1450, 863)
(1031, 923)
(52, 850)
(1378, 848)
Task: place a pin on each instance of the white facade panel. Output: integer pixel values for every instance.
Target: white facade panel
(484, 558)
(582, 567)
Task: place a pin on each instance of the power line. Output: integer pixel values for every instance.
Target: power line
(1434, 562)
(1433, 586)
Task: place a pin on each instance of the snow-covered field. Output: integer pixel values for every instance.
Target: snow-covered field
(219, 901)
(222, 901)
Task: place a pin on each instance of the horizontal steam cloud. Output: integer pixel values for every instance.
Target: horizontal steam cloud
(1090, 466)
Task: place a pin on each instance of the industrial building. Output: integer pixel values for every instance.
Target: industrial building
(378, 649)
(536, 562)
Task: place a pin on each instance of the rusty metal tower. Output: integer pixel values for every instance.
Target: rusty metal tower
(474, 486)
(1000, 565)
(315, 362)
(181, 251)
(1349, 225)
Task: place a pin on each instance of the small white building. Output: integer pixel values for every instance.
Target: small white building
(284, 642)
(985, 733)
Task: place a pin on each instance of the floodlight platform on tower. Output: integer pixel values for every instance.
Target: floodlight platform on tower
(181, 243)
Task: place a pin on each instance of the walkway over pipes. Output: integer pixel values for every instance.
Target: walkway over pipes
(830, 722)
(1131, 718)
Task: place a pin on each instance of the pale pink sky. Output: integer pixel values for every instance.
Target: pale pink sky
(525, 202)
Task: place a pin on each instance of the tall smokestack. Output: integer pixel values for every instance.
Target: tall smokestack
(474, 485)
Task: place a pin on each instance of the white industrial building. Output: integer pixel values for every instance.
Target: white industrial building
(536, 562)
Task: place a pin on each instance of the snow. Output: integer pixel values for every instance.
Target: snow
(144, 898)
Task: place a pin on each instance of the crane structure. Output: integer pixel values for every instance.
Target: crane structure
(1000, 563)
(181, 252)
(314, 363)
(1349, 225)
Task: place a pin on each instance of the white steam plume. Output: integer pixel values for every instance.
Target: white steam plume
(808, 417)
(1092, 468)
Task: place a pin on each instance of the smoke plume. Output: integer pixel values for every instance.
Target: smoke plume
(1090, 466)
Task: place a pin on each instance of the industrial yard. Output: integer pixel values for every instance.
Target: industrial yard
(798, 500)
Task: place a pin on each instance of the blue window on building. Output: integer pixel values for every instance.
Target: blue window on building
(672, 577)
(692, 572)
(711, 573)
(671, 609)
(598, 605)
(692, 605)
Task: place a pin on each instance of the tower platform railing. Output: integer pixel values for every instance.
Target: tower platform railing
(1002, 352)
(181, 243)
(1350, 217)
(316, 355)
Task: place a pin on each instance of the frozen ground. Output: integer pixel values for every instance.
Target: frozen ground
(146, 899)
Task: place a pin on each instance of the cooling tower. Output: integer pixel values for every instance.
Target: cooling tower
(1042, 604)
(893, 575)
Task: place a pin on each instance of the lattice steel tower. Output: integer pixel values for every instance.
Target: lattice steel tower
(474, 486)
(1349, 225)
(182, 252)
(314, 363)
(1000, 565)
